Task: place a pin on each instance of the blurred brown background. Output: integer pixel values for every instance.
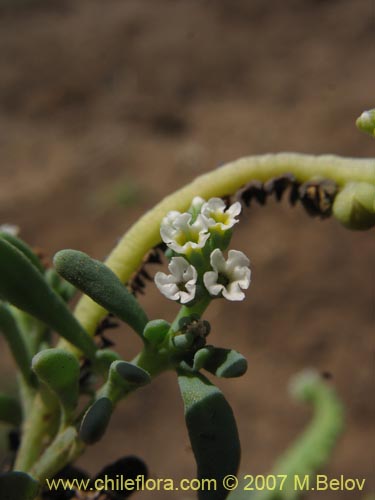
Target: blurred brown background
(108, 106)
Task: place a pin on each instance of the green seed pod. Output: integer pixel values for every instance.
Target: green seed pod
(156, 330)
(96, 420)
(17, 345)
(366, 122)
(17, 485)
(59, 370)
(24, 248)
(10, 410)
(212, 431)
(354, 206)
(225, 363)
(23, 285)
(97, 281)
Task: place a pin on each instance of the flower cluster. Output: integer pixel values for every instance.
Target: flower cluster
(207, 225)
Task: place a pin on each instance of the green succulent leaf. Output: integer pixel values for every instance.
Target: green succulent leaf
(156, 330)
(9, 328)
(104, 359)
(17, 485)
(97, 281)
(59, 370)
(22, 285)
(123, 377)
(24, 248)
(96, 420)
(212, 431)
(10, 410)
(62, 287)
(221, 362)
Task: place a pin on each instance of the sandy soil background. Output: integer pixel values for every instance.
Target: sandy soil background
(108, 106)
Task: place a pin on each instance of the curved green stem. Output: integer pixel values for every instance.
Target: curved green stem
(144, 234)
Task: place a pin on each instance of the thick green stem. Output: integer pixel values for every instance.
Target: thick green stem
(37, 427)
(127, 256)
(195, 310)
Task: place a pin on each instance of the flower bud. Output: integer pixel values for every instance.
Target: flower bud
(354, 206)
(366, 122)
(156, 330)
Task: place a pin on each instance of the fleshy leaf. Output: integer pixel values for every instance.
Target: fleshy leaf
(97, 281)
(24, 248)
(96, 420)
(10, 410)
(156, 330)
(123, 377)
(17, 485)
(221, 362)
(104, 359)
(23, 285)
(59, 370)
(212, 430)
(62, 287)
(17, 345)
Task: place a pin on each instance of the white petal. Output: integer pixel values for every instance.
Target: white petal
(233, 292)
(210, 282)
(168, 288)
(178, 266)
(197, 202)
(235, 209)
(190, 275)
(217, 260)
(186, 297)
(213, 205)
(237, 258)
(200, 223)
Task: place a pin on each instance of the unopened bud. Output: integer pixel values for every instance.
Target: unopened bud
(366, 122)
(354, 206)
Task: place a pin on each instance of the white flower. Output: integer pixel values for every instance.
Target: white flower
(181, 284)
(217, 214)
(11, 229)
(180, 235)
(228, 277)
